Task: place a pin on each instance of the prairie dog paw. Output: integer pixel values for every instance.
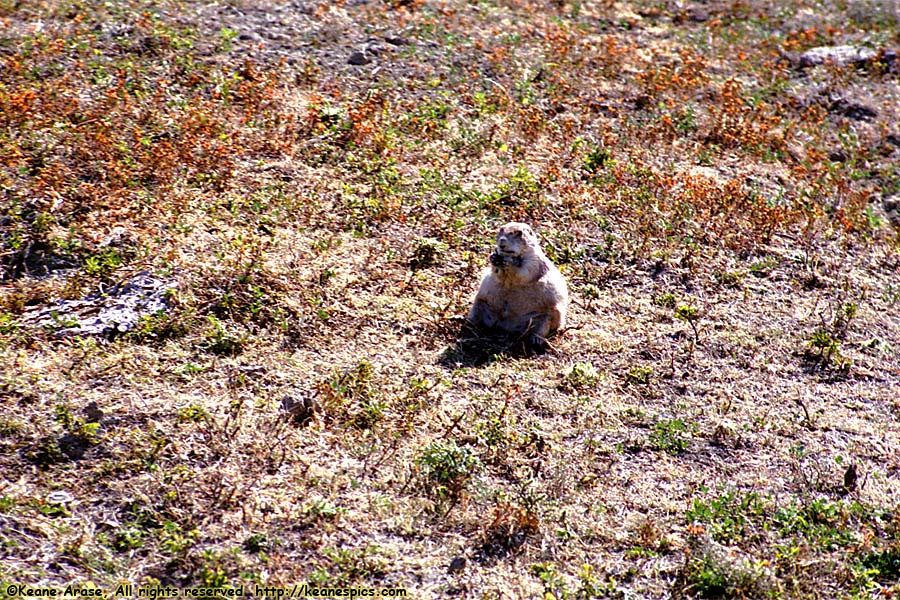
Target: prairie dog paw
(504, 260)
(537, 342)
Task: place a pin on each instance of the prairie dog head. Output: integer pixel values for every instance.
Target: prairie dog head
(516, 239)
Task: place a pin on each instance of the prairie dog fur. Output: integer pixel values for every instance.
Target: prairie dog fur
(522, 291)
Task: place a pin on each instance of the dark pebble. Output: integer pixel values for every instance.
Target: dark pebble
(358, 59)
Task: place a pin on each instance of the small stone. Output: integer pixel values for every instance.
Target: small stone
(300, 411)
(358, 59)
(457, 565)
(850, 478)
(59, 497)
(891, 206)
(92, 413)
(697, 15)
(839, 55)
(852, 110)
(396, 40)
(118, 237)
(838, 155)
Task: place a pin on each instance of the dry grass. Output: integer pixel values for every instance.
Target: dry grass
(719, 420)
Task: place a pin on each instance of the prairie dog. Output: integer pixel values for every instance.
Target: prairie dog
(522, 291)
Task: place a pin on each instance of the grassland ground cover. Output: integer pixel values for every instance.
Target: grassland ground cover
(318, 183)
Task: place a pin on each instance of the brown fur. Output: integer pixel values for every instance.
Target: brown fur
(522, 291)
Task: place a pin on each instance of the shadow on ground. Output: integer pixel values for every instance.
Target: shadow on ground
(471, 346)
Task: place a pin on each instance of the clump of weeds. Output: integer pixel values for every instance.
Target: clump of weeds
(824, 345)
(353, 397)
(446, 469)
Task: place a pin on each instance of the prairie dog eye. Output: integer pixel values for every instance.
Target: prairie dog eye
(517, 234)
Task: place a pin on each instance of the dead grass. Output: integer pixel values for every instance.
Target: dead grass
(719, 420)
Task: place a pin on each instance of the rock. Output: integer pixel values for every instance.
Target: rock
(397, 40)
(852, 110)
(59, 497)
(839, 55)
(300, 411)
(457, 565)
(838, 155)
(693, 15)
(891, 206)
(375, 48)
(117, 310)
(850, 478)
(93, 413)
(358, 59)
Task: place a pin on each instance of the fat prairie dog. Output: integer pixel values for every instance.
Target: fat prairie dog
(522, 291)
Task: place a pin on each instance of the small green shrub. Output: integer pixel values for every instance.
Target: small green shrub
(258, 543)
(671, 436)
(447, 467)
(193, 413)
(581, 375)
(157, 328)
(823, 349)
(8, 324)
(639, 375)
(348, 567)
(730, 516)
(823, 343)
(103, 263)
(76, 427)
(321, 509)
(128, 538)
(729, 279)
(666, 300)
(689, 314)
(596, 160)
(885, 564)
(220, 341)
(353, 397)
(427, 253)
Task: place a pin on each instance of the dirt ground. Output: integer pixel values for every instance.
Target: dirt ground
(311, 189)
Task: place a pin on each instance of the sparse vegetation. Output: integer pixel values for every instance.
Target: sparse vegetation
(639, 375)
(672, 436)
(772, 536)
(580, 376)
(666, 300)
(318, 183)
(446, 469)
(689, 314)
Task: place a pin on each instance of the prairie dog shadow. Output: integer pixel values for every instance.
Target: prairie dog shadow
(472, 346)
